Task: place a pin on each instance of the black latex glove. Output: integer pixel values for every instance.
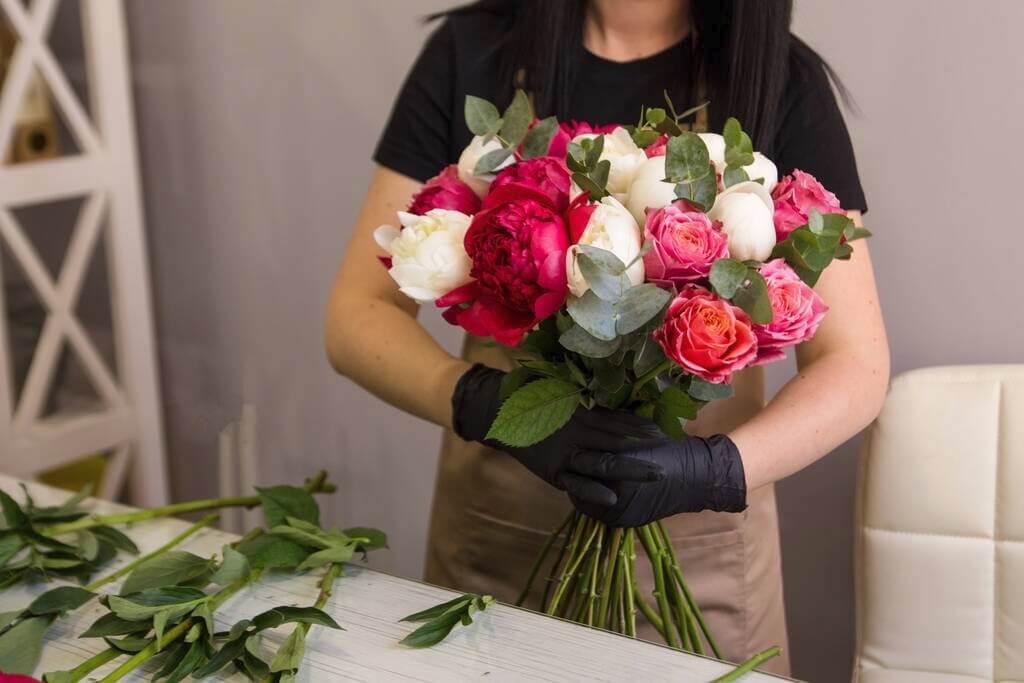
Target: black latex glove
(581, 458)
(700, 474)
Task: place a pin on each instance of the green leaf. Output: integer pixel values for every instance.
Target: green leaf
(844, 251)
(600, 175)
(187, 664)
(144, 605)
(228, 652)
(703, 390)
(335, 554)
(318, 539)
(753, 298)
(727, 276)
(204, 613)
(674, 405)
(488, 163)
(115, 538)
(60, 599)
(60, 677)
(88, 545)
(10, 545)
(234, 567)
(481, 116)
(438, 610)
(517, 119)
(13, 514)
(580, 341)
(655, 115)
(112, 625)
(648, 357)
(645, 137)
(6, 618)
(252, 666)
(513, 379)
(21, 645)
(538, 140)
(166, 569)
(576, 158)
(593, 314)
(535, 412)
(686, 158)
(129, 644)
(433, 632)
(375, 538)
(701, 192)
(277, 616)
(160, 620)
(289, 655)
(594, 148)
(593, 189)
(739, 150)
(604, 272)
(855, 232)
(272, 552)
(280, 502)
(638, 306)
(734, 175)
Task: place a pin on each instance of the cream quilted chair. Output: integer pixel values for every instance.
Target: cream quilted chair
(940, 566)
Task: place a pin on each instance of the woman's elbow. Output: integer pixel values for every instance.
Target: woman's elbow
(337, 335)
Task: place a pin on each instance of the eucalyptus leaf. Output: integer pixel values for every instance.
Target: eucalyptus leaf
(753, 298)
(289, 655)
(739, 150)
(534, 412)
(594, 147)
(603, 271)
(734, 175)
(686, 158)
(638, 306)
(489, 162)
(703, 390)
(517, 119)
(538, 139)
(701, 192)
(284, 501)
(593, 314)
(481, 115)
(648, 357)
(727, 276)
(578, 340)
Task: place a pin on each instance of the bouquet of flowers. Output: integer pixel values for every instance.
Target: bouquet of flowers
(632, 267)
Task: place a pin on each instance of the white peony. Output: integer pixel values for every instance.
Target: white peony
(624, 156)
(648, 189)
(763, 167)
(469, 158)
(746, 213)
(612, 228)
(428, 257)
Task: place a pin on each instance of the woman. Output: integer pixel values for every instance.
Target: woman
(600, 61)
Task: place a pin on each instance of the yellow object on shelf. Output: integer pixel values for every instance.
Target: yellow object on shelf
(74, 476)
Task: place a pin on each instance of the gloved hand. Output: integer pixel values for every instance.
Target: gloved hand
(700, 474)
(581, 458)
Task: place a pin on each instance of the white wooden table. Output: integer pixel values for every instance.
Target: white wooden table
(504, 644)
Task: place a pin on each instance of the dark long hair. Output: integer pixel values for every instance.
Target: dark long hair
(743, 53)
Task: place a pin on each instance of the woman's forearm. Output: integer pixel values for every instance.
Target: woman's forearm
(829, 401)
(382, 348)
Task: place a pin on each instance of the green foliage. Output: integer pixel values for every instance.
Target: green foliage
(234, 566)
(289, 655)
(59, 600)
(744, 286)
(810, 248)
(535, 412)
(112, 625)
(21, 644)
(144, 605)
(538, 139)
(686, 158)
(441, 619)
(481, 116)
(701, 192)
(703, 390)
(603, 271)
(166, 569)
(578, 340)
(272, 552)
(280, 502)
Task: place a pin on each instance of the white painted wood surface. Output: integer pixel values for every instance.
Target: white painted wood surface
(504, 644)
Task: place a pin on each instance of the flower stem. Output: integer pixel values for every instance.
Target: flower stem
(90, 665)
(660, 593)
(691, 603)
(109, 578)
(611, 562)
(749, 665)
(540, 559)
(629, 577)
(572, 566)
(317, 484)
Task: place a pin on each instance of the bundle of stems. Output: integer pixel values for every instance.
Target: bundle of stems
(593, 582)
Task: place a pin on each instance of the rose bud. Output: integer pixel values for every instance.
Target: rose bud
(745, 212)
(606, 225)
(625, 158)
(428, 258)
(797, 310)
(706, 336)
(468, 161)
(648, 190)
(685, 244)
(795, 196)
(445, 191)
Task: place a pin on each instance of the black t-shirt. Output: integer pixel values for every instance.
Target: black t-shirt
(427, 129)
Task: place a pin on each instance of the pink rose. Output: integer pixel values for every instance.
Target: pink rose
(445, 191)
(795, 196)
(685, 244)
(707, 336)
(797, 310)
(559, 146)
(658, 148)
(518, 255)
(544, 179)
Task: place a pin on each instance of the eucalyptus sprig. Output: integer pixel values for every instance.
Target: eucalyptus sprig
(441, 619)
(589, 170)
(516, 129)
(656, 121)
(810, 248)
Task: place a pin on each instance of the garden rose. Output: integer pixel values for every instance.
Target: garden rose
(559, 145)
(625, 158)
(797, 310)
(427, 257)
(606, 225)
(707, 336)
(544, 179)
(794, 198)
(469, 158)
(445, 191)
(745, 211)
(684, 244)
(518, 254)
(648, 190)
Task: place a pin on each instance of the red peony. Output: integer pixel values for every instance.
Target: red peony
(445, 191)
(559, 145)
(544, 179)
(794, 197)
(707, 336)
(518, 254)
(17, 678)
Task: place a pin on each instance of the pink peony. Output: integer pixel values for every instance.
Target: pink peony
(685, 244)
(707, 336)
(518, 254)
(797, 310)
(794, 197)
(445, 191)
(658, 148)
(544, 179)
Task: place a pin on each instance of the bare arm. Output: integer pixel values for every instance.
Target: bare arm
(372, 335)
(840, 384)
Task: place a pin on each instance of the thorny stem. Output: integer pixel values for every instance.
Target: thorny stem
(540, 559)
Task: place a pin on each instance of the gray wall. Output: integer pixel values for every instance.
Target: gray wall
(256, 122)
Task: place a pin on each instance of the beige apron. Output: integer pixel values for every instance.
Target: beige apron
(491, 517)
